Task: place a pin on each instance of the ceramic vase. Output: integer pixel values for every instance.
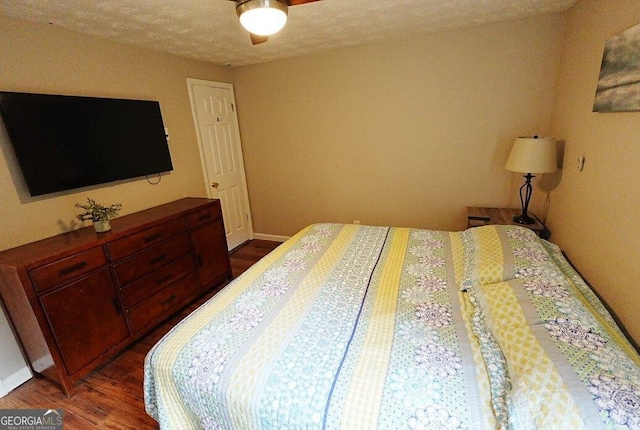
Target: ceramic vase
(102, 226)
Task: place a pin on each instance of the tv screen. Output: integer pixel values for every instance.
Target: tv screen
(67, 142)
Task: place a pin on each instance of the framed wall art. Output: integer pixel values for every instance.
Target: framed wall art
(619, 83)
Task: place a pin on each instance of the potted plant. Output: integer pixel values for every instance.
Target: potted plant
(99, 214)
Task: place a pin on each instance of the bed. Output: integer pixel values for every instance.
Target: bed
(347, 326)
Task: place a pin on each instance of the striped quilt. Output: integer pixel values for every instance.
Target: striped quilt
(352, 327)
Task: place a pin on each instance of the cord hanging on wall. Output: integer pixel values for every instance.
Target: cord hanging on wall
(156, 182)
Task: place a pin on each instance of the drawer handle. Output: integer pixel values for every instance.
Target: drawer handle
(157, 259)
(116, 304)
(169, 300)
(204, 217)
(153, 237)
(71, 269)
(163, 279)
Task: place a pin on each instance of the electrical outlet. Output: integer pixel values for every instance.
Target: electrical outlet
(356, 221)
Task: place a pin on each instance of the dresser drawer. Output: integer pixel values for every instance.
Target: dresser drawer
(145, 239)
(147, 286)
(46, 276)
(205, 215)
(85, 318)
(138, 266)
(163, 303)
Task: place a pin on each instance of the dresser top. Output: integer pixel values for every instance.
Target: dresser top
(79, 240)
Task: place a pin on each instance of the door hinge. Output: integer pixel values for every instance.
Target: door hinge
(233, 108)
(247, 216)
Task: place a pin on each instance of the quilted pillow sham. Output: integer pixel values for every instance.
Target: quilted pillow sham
(566, 366)
(496, 253)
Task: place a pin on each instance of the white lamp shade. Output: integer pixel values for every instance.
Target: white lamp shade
(533, 155)
(262, 17)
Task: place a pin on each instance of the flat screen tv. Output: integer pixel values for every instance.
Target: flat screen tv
(68, 142)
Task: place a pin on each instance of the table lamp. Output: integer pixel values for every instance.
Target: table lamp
(531, 155)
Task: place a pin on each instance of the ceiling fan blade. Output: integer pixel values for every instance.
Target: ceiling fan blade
(297, 2)
(256, 40)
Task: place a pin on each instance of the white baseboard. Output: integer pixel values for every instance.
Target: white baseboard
(272, 237)
(14, 381)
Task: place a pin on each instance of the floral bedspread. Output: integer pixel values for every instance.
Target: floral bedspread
(342, 326)
(353, 327)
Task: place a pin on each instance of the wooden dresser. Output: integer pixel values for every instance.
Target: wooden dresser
(78, 298)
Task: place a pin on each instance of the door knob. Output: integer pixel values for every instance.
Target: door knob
(215, 184)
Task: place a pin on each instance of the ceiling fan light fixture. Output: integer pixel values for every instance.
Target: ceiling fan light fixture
(262, 17)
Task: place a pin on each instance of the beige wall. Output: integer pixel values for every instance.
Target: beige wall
(45, 59)
(406, 132)
(594, 213)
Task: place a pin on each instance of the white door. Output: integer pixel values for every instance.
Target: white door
(216, 121)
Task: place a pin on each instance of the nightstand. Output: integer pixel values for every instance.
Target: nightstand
(477, 217)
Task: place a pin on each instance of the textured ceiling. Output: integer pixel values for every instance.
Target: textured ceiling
(208, 30)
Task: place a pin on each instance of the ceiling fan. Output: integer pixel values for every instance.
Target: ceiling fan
(262, 18)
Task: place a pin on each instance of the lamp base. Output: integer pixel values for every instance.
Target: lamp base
(523, 219)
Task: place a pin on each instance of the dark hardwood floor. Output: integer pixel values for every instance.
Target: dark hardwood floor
(111, 396)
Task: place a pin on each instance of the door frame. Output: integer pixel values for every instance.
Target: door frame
(203, 162)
